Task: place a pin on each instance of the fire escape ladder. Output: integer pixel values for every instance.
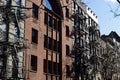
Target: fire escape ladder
(79, 50)
(11, 51)
(19, 46)
(15, 63)
(18, 67)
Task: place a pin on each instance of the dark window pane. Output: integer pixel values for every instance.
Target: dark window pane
(59, 47)
(50, 43)
(67, 31)
(34, 36)
(33, 62)
(54, 68)
(59, 68)
(45, 41)
(45, 66)
(59, 25)
(67, 50)
(55, 45)
(46, 18)
(35, 9)
(55, 23)
(50, 20)
(67, 71)
(49, 66)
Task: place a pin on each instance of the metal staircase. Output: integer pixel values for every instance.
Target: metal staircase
(12, 42)
(79, 50)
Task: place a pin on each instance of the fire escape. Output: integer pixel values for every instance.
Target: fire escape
(11, 49)
(80, 48)
(94, 50)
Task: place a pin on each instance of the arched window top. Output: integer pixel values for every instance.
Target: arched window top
(47, 4)
(55, 6)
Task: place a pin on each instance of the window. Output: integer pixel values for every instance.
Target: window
(55, 45)
(35, 9)
(50, 43)
(34, 36)
(49, 66)
(67, 50)
(55, 24)
(59, 46)
(59, 69)
(46, 18)
(45, 66)
(59, 25)
(33, 62)
(67, 31)
(67, 71)
(45, 41)
(50, 20)
(67, 12)
(54, 68)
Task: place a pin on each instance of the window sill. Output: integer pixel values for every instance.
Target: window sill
(51, 74)
(33, 71)
(35, 20)
(52, 50)
(34, 45)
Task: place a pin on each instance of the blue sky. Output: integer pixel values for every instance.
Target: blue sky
(107, 21)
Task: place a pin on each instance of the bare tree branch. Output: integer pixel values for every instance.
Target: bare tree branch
(118, 1)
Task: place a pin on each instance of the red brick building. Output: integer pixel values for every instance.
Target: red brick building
(48, 29)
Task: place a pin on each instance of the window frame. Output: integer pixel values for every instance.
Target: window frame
(67, 50)
(35, 10)
(45, 66)
(33, 64)
(67, 31)
(34, 36)
(67, 71)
